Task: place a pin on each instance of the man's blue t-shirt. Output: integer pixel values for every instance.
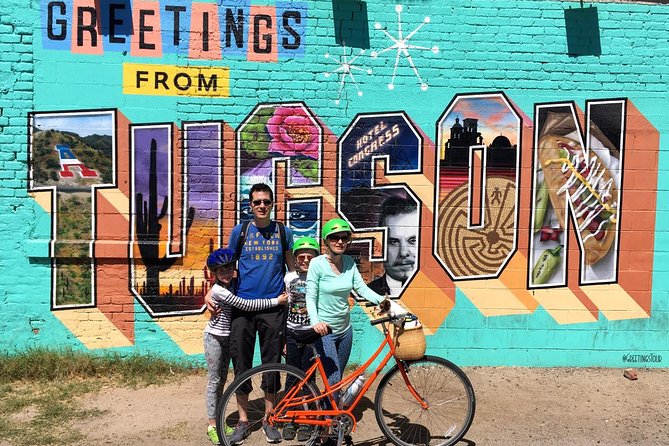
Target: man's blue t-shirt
(261, 261)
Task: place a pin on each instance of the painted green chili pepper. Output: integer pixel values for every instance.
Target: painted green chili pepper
(541, 206)
(548, 263)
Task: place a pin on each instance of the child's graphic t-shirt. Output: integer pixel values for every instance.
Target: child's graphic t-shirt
(296, 286)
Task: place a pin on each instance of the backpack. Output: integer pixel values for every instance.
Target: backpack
(242, 238)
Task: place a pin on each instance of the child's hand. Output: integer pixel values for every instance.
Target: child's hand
(283, 298)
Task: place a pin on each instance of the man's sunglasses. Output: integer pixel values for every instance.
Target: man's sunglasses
(337, 238)
(258, 202)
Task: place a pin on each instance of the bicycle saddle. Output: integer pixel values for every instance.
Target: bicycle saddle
(306, 335)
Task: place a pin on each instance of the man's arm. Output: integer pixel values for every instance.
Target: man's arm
(290, 260)
(288, 253)
(233, 239)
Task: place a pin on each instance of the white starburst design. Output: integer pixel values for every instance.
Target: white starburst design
(402, 45)
(345, 70)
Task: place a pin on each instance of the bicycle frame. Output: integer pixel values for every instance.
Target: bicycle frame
(286, 410)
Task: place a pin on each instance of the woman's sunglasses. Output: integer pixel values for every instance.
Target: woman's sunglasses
(259, 202)
(336, 238)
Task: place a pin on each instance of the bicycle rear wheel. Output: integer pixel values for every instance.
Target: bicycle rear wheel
(448, 393)
(253, 383)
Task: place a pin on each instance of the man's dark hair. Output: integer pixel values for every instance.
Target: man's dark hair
(261, 187)
(395, 205)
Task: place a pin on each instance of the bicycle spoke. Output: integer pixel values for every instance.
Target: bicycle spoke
(444, 388)
(252, 385)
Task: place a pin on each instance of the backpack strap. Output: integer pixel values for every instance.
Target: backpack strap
(284, 241)
(241, 239)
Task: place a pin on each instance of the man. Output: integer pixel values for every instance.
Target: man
(263, 247)
(400, 215)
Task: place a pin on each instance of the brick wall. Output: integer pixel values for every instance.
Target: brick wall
(314, 98)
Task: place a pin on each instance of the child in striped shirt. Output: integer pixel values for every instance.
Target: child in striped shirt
(221, 263)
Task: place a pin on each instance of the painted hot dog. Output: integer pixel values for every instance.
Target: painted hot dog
(579, 176)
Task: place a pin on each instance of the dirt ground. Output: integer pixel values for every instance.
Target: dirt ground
(514, 406)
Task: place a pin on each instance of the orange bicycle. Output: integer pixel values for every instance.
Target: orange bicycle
(425, 401)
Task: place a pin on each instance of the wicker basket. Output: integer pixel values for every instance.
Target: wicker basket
(409, 343)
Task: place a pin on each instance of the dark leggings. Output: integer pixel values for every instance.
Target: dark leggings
(298, 355)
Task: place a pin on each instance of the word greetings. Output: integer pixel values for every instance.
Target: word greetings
(153, 29)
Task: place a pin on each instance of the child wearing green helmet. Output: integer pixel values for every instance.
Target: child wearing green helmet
(304, 249)
(330, 280)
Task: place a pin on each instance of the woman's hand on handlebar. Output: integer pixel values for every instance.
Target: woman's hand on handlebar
(321, 328)
(384, 305)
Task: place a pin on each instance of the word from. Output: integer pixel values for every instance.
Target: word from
(168, 80)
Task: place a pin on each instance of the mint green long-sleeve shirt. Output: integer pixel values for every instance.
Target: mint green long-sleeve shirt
(327, 292)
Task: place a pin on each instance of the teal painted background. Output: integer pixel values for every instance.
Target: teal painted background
(518, 47)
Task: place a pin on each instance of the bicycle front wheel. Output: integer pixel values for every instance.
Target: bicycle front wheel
(446, 390)
(253, 395)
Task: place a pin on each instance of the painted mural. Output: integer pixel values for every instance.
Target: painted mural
(178, 197)
(481, 198)
(389, 209)
(72, 155)
(581, 180)
(478, 186)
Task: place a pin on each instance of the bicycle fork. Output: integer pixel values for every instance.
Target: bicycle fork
(402, 366)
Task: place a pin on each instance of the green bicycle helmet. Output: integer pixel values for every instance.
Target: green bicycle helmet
(306, 243)
(335, 225)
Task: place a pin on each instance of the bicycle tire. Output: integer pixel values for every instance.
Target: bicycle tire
(446, 389)
(227, 409)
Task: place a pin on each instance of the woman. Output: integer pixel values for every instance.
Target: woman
(330, 279)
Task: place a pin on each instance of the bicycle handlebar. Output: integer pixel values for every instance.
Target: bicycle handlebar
(383, 319)
(394, 317)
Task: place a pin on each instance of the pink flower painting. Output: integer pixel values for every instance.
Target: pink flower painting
(293, 133)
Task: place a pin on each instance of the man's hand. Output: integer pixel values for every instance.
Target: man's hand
(211, 305)
(283, 298)
(321, 328)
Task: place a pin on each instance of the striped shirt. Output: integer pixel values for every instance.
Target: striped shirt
(219, 324)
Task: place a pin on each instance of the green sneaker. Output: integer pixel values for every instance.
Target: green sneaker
(228, 430)
(213, 436)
